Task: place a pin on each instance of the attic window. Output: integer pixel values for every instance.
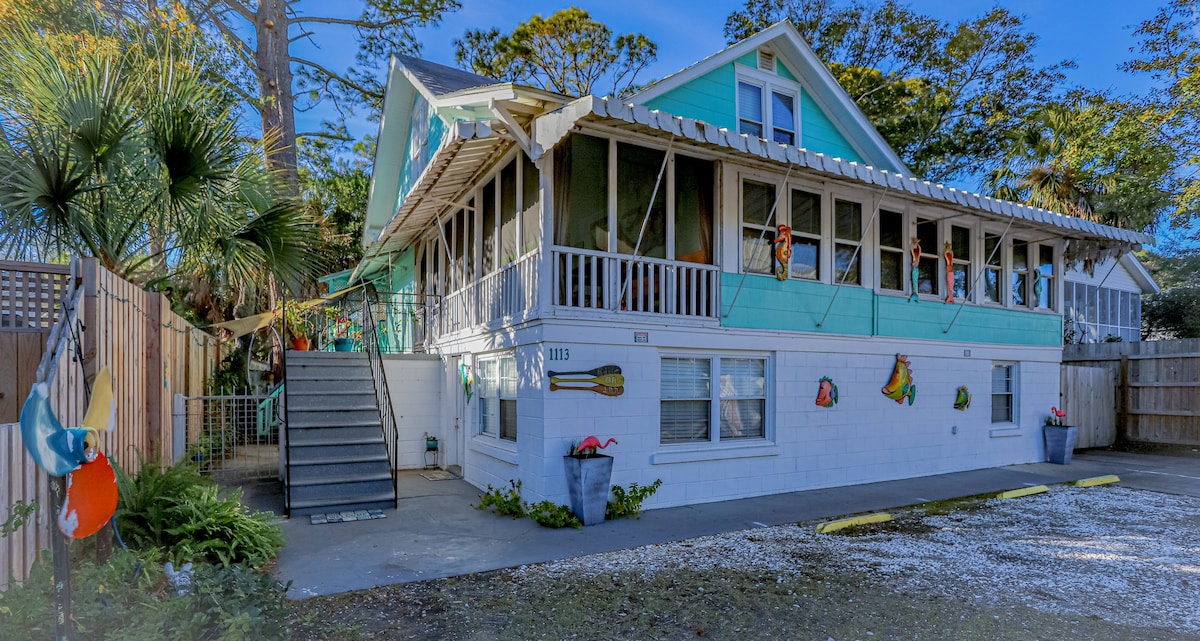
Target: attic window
(766, 61)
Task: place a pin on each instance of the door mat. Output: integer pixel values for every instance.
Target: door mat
(438, 475)
(346, 517)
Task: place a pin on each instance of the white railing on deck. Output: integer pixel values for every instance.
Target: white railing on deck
(598, 280)
(508, 293)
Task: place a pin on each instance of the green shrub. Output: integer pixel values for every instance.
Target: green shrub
(131, 600)
(629, 502)
(547, 514)
(18, 514)
(182, 514)
(506, 501)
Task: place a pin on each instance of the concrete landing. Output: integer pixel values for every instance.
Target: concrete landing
(435, 533)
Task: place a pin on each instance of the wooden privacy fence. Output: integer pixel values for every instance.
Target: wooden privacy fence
(152, 353)
(1088, 397)
(1157, 386)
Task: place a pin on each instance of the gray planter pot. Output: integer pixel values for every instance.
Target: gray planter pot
(1060, 442)
(589, 481)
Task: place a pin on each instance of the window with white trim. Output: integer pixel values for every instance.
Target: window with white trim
(847, 233)
(806, 235)
(496, 381)
(1020, 274)
(960, 245)
(993, 268)
(691, 405)
(1004, 398)
(927, 268)
(891, 250)
(768, 109)
(1043, 286)
(758, 227)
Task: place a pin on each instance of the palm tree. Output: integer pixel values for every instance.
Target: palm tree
(125, 150)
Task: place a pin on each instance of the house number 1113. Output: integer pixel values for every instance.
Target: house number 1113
(559, 353)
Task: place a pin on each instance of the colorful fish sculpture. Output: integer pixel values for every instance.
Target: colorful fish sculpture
(915, 274)
(901, 385)
(963, 400)
(948, 254)
(74, 452)
(783, 251)
(468, 380)
(827, 393)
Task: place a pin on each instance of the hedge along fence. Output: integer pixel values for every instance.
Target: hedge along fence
(152, 353)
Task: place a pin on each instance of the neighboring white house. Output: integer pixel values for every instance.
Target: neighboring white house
(524, 232)
(1105, 302)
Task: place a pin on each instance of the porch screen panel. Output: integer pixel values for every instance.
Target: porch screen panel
(992, 270)
(686, 406)
(637, 172)
(927, 269)
(758, 256)
(581, 193)
(508, 213)
(531, 200)
(743, 398)
(960, 244)
(806, 235)
(847, 231)
(694, 185)
(1020, 273)
(489, 226)
(891, 250)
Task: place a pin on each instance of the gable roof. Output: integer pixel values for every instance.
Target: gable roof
(439, 80)
(833, 100)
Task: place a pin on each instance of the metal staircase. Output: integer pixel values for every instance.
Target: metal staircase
(336, 455)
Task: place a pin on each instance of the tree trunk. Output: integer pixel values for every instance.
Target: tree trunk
(275, 89)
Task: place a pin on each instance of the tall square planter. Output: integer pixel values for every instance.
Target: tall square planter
(589, 481)
(1060, 442)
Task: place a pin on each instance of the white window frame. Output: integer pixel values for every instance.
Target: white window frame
(933, 254)
(1003, 279)
(770, 84)
(876, 237)
(823, 223)
(967, 263)
(1050, 284)
(1013, 271)
(497, 394)
(864, 271)
(716, 396)
(1013, 393)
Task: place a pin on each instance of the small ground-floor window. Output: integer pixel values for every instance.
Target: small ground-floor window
(1003, 392)
(691, 404)
(497, 385)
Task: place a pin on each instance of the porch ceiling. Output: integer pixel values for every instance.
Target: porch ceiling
(553, 127)
(469, 150)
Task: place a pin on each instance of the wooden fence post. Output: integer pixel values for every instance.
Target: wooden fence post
(1123, 400)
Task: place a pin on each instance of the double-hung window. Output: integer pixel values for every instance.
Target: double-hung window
(960, 245)
(806, 235)
(847, 233)
(1003, 392)
(992, 274)
(927, 268)
(692, 405)
(1044, 285)
(766, 111)
(497, 384)
(1020, 274)
(891, 250)
(758, 227)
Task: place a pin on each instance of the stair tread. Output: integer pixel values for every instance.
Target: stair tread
(333, 440)
(327, 459)
(342, 479)
(342, 506)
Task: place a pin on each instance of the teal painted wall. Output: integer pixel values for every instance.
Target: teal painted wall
(767, 303)
(749, 60)
(400, 282)
(783, 71)
(434, 130)
(818, 133)
(709, 98)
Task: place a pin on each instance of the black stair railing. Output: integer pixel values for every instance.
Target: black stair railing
(372, 342)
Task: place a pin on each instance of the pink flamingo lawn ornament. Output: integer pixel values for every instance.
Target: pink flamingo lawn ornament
(590, 444)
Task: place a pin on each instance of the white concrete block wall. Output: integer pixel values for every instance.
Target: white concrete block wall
(415, 383)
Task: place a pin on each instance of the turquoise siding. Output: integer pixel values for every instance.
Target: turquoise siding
(398, 329)
(783, 71)
(818, 133)
(434, 130)
(767, 303)
(749, 60)
(709, 98)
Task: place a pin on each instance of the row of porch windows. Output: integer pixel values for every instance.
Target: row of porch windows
(603, 189)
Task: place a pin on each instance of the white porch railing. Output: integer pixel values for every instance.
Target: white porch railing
(620, 282)
(510, 292)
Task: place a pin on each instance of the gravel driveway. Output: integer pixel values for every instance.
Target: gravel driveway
(1094, 563)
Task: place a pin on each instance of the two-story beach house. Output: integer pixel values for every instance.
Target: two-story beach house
(785, 305)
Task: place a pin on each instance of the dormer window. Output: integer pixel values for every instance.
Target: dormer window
(767, 109)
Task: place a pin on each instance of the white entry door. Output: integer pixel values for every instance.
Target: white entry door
(455, 436)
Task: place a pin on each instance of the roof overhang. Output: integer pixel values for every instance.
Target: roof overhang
(552, 128)
(469, 150)
(1138, 273)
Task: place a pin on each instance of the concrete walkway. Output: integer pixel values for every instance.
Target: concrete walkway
(435, 533)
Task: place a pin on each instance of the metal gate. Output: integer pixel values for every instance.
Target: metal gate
(232, 438)
(1088, 398)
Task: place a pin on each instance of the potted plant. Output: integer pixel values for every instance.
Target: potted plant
(589, 479)
(298, 326)
(1060, 438)
(342, 329)
(431, 442)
